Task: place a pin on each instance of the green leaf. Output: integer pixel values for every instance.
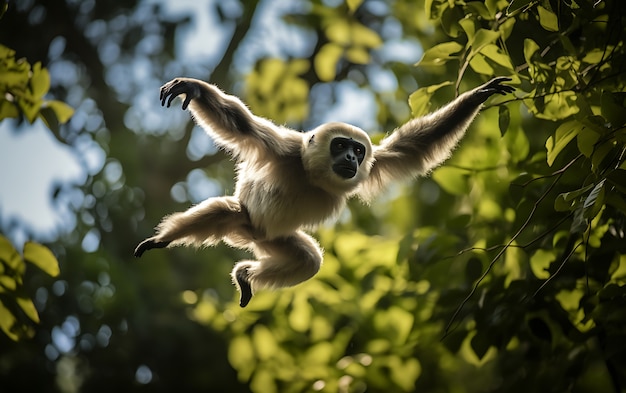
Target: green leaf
(494, 53)
(586, 141)
(361, 35)
(599, 154)
(540, 262)
(419, 100)
(39, 81)
(29, 308)
(613, 109)
(516, 5)
(618, 179)
(530, 48)
(9, 255)
(563, 135)
(594, 201)
(548, 19)
(42, 257)
(482, 38)
(8, 110)
(62, 111)
(326, 60)
(440, 54)
(453, 180)
(7, 320)
(480, 65)
(504, 119)
(353, 4)
(567, 200)
(481, 343)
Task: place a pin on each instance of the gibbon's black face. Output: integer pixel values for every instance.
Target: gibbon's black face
(347, 155)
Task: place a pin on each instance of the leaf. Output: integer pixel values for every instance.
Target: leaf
(599, 154)
(326, 60)
(566, 201)
(39, 81)
(419, 100)
(9, 255)
(482, 38)
(361, 35)
(562, 136)
(42, 257)
(453, 180)
(353, 4)
(516, 5)
(586, 141)
(504, 119)
(480, 65)
(62, 111)
(440, 54)
(29, 308)
(594, 201)
(612, 107)
(618, 179)
(7, 320)
(358, 55)
(530, 48)
(540, 262)
(548, 19)
(494, 53)
(480, 344)
(8, 110)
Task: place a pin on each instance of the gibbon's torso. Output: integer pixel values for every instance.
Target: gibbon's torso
(283, 199)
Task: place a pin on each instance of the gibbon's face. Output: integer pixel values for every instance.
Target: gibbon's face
(337, 157)
(347, 155)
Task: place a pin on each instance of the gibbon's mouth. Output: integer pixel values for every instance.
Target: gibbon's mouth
(346, 171)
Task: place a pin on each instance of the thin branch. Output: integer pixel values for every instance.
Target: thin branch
(558, 270)
(500, 253)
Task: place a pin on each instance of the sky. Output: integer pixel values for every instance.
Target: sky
(32, 161)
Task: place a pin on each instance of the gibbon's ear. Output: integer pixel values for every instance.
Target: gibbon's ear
(320, 155)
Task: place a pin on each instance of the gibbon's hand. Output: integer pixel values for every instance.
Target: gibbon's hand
(492, 87)
(176, 87)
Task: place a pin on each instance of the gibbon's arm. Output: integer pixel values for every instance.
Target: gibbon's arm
(230, 122)
(424, 143)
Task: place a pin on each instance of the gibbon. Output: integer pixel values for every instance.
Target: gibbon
(290, 181)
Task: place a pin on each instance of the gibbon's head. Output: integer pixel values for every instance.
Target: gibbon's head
(337, 157)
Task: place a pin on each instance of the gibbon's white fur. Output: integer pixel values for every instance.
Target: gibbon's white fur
(290, 181)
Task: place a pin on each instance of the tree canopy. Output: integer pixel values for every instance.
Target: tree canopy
(504, 270)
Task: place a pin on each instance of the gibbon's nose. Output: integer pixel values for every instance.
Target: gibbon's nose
(350, 156)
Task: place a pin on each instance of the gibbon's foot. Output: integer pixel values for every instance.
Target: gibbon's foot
(149, 244)
(176, 87)
(244, 286)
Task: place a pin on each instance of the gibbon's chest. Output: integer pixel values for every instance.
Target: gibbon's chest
(280, 199)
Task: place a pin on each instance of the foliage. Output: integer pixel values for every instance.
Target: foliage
(503, 271)
(14, 302)
(22, 90)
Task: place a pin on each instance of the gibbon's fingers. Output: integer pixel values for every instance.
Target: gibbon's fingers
(241, 275)
(149, 244)
(176, 87)
(495, 85)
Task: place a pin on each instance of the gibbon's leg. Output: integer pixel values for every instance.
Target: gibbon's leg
(282, 262)
(205, 223)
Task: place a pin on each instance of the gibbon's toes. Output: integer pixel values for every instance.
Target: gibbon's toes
(244, 286)
(148, 244)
